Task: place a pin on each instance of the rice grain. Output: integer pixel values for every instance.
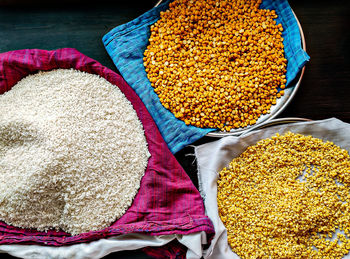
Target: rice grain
(72, 152)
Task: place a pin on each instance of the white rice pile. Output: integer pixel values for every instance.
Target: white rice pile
(72, 152)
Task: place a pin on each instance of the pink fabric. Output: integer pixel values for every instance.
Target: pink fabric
(167, 202)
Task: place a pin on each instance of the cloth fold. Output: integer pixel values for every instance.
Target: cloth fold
(167, 246)
(167, 202)
(213, 157)
(126, 44)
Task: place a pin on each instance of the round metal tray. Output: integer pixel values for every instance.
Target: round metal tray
(281, 103)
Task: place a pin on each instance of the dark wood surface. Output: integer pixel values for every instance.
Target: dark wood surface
(324, 91)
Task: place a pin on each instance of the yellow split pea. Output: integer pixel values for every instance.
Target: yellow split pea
(285, 197)
(216, 64)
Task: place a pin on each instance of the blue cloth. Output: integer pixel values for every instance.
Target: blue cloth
(126, 44)
(293, 50)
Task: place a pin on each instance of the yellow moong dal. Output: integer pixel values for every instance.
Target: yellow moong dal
(287, 197)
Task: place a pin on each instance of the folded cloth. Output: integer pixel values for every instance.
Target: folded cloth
(127, 43)
(213, 157)
(167, 202)
(155, 247)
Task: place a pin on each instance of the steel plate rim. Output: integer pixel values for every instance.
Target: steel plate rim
(279, 121)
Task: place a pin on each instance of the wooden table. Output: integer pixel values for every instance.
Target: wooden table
(324, 91)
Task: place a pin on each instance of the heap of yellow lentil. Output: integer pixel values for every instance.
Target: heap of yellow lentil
(285, 197)
(216, 64)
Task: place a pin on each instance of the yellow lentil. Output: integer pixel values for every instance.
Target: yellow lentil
(209, 59)
(285, 197)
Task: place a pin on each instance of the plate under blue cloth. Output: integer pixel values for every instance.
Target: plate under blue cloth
(126, 44)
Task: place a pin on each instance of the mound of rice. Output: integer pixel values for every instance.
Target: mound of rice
(72, 152)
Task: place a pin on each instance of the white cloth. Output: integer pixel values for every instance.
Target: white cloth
(214, 156)
(103, 247)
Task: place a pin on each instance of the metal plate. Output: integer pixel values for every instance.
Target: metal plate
(281, 103)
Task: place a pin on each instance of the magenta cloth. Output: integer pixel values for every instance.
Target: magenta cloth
(167, 202)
